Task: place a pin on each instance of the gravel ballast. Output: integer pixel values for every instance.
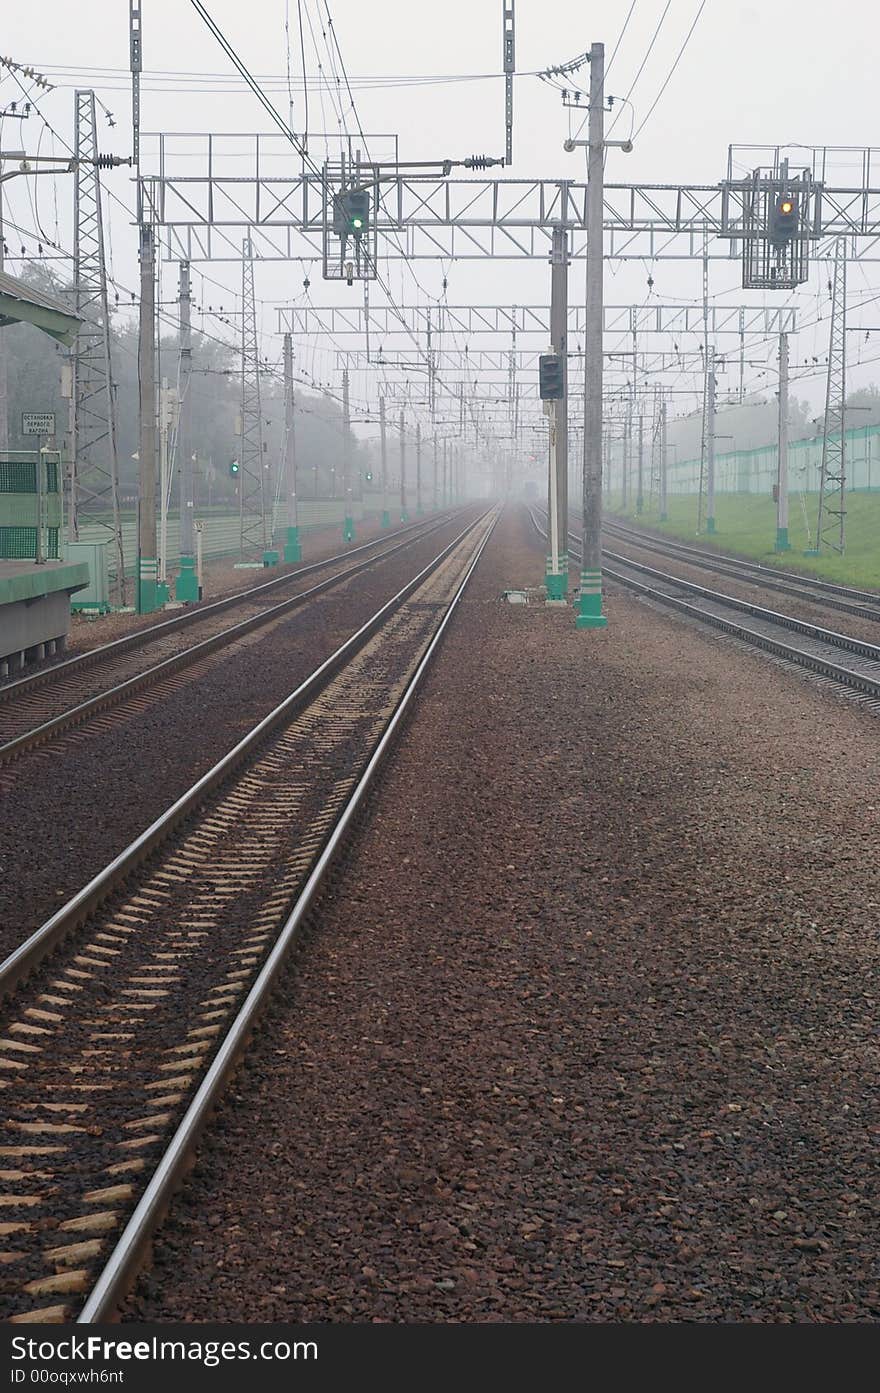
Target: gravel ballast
(586, 1026)
(70, 806)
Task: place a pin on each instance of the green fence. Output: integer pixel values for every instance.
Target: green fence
(754, 471)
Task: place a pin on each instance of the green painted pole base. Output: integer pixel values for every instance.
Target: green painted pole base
(386, 518)
(640, 505)
(404, 515)
(186, 587)
(271, 558)
(556, 585)
(147, 586)
(162, 593)
(812, 551)
(589, 612)
(292, 549)
(664, 517)
(710, 527)
(782, 542)
(348, 530)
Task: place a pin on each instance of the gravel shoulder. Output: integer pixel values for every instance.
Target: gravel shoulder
(586, 1026)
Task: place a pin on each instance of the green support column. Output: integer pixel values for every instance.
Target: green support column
(386, 518)
(292, 547)
(348, 530)
(710, 526)
(147, 588)
(404, 515)
(589, 614)
(782, 542)
(186, 587)
(555, 584)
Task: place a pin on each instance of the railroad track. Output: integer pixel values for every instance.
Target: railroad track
(864, 604)
(44, 705)
(114, 1052)
(819, 650)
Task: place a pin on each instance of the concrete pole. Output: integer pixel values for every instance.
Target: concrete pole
(590, 614)
(418, 470)
(403, 512)
(186, 587)
(434, 494)
(147, 599)
(663, 460)
(348, 521)
(292, 546)
(782, 542)
(556, 579)
(626, 457)
(4, 399)
(386, 515)
(445, 474)
(640, 480)
(710, 444)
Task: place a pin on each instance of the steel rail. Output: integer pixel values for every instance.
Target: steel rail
(30, 954)
(141, 637)
(848, 599)
(786, 621)
(846, 677)
(113, 696)
(123, 1263)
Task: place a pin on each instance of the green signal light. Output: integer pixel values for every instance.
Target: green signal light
(369, 476)
(357, 223)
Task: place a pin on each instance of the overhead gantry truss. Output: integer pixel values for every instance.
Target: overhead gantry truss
(206, 201)
(474, 320)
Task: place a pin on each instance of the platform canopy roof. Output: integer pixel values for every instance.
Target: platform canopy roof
(21, 303)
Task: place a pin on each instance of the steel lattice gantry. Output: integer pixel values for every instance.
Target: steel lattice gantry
(206, 200)
(94, 462)
(473, 320)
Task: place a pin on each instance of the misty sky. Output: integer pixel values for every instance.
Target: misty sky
(781, 72)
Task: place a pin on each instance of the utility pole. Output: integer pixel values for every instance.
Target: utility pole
(640, 480)
(187, 586)
(626, 460)
(434, 494)
(94, 457)
(556, 579)
(292, 546)
(782, 542)
(710, 443)
(403, 512)
(663, 459)
(418, 470)
(147, 597)
(386, 515)
(445, 474)
(590, 614)
(831, 521)
(509, 57)
(348, 523)
(252, 490)
(4, 398)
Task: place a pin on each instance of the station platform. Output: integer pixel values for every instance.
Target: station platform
(35, 609)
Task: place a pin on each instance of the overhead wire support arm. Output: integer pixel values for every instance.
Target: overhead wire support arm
(509, 70)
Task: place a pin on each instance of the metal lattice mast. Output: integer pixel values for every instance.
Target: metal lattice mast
(831, 522)
(704, 433)
(94, 461)
(252, 502)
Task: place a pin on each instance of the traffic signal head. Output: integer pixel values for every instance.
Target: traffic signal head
(783, 218)
(234, 467)
(550, 377)
(351, 212)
